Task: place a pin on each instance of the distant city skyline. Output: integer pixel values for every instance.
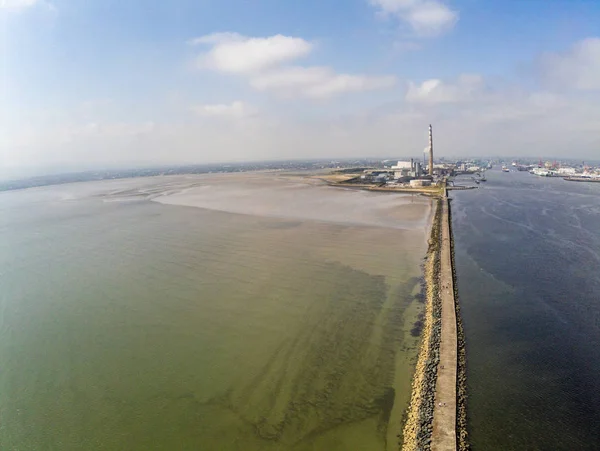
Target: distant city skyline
(103, 84)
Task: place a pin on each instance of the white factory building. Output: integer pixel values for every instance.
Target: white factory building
(403, 165)
(410, 168)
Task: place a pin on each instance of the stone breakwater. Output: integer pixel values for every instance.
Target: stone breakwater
(419, 425)
(419, 419)
(461, 379)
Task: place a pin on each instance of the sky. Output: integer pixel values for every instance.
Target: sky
(123, 83)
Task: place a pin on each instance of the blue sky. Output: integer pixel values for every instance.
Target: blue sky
(131, 82)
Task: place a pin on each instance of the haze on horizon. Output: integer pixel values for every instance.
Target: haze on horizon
(139, 83)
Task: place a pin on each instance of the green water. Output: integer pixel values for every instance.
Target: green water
(136, 325)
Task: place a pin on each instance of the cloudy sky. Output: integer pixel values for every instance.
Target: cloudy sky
(99, 83)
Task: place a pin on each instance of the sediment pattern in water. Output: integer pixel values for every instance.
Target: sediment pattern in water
(309, 385)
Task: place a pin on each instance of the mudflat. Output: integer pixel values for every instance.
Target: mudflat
(246, 311)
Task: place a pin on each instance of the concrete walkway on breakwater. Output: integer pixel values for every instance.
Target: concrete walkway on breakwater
(444, 413)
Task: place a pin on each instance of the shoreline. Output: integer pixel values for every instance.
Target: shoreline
(429, 191)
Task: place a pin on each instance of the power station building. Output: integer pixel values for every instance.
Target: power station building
(410, 168)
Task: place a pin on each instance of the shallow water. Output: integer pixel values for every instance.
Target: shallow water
(528, 264)
(130, 324)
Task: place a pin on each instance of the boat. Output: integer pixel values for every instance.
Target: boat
(541, 172)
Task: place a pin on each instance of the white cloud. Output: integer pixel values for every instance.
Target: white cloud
(234, 110)
(471, 116)
(317, 82)
(431, 18)
(17, 4)
(466, 88)
(263, 61)
(341, 83)
(578, 68)
(233, 53)
(426, 18)
(217, 38)
(545, 100)
(291, 78)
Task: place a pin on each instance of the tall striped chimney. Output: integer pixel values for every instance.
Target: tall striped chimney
(430, 150)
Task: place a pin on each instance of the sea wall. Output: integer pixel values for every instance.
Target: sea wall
(418, 428)
(419, 419)
(461, 379)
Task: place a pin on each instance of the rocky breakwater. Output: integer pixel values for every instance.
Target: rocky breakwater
(418, 433)
(418, 428)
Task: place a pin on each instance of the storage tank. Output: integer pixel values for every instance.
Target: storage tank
(417, 183)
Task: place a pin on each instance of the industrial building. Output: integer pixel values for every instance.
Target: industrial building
(410, 168)
(411, 172)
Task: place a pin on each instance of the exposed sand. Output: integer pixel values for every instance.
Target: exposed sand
(300, 198)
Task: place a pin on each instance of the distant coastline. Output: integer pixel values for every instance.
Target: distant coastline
(23, 182)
